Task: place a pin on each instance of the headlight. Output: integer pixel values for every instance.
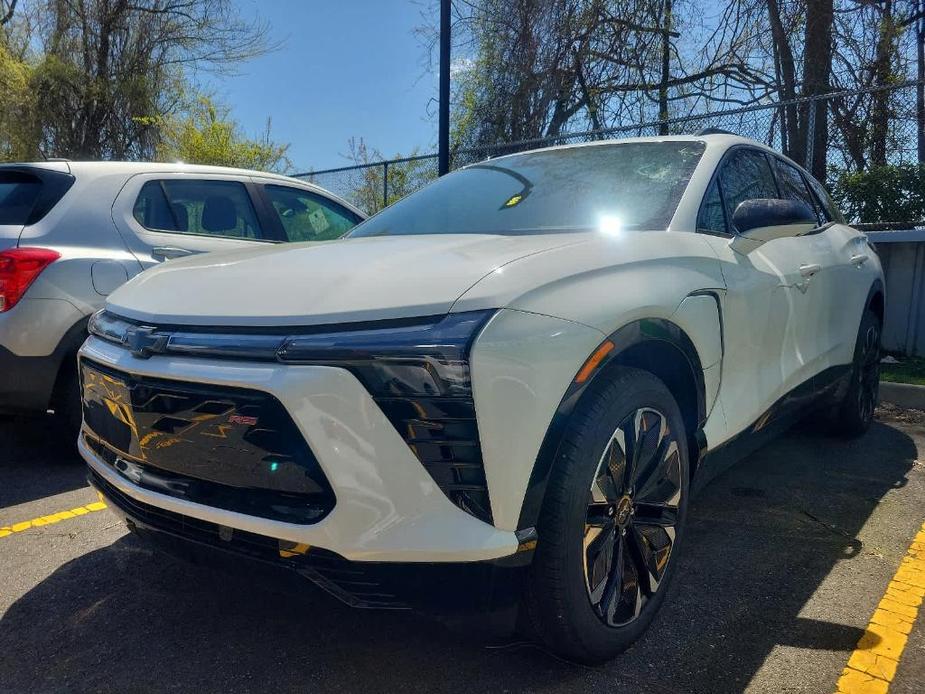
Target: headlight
(105, 325)
(425, 359)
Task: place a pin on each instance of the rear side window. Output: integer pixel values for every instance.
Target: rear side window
(309, 217)
(211, 208)
(831, 212)
(793, 187)
(26, 197)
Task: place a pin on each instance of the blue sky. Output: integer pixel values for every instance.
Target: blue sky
(346, 68)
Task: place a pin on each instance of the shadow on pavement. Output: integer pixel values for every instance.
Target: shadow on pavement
(36, 460)
(761, 539)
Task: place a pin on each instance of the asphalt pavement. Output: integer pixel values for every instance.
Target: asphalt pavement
(786, 558)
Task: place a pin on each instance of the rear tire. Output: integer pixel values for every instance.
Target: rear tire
(856, 412)
(611, 520)
(68, 415)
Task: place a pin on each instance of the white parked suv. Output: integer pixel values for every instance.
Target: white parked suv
(498, 392)
(71, 232)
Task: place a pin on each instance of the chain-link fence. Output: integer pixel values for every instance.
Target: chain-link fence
(872, 142)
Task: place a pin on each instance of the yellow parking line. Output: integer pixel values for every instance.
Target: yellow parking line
(52, 519)
(873, 664)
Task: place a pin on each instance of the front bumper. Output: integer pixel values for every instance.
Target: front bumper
(443, 589)
(388, 507)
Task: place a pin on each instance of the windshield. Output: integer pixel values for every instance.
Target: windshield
(633, 185)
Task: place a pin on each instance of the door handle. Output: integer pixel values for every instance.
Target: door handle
(859, 259)
(810, 270)
(168, 252)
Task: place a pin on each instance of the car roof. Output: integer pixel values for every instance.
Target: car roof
(722, 140)
(133, 167)
(91, 169)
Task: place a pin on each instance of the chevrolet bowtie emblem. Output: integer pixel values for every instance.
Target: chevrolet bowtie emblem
(142, 342)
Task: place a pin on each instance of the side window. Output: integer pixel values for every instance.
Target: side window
(746, 175)
(712, 216)
(829, 210)
(793, 187)
(212, 208)
(309, 217)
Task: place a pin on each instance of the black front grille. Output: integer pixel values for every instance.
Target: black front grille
(443, 434)
(231, 448)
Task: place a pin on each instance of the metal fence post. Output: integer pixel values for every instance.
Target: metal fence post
(810, 135)
(385, 184)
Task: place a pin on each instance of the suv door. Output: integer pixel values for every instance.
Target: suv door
(170, 215)
(850, 278)
(819, 323)
(764, 306)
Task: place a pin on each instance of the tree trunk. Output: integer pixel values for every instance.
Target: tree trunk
(666, 70)
(882, 72)
(793, 145)
(817, 70)
(920, 87)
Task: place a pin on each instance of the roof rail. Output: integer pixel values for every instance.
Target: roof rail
(713, 131)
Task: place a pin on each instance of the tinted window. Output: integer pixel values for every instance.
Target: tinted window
(712, 217)
(629, 186)
(309, 217)
(746, 175)
(18, 193)
(215, 208)
(793, 187)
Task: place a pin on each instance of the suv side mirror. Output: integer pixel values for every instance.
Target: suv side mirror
(764, 219)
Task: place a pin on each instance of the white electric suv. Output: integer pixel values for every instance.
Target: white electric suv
(497, 393)
(71, 232)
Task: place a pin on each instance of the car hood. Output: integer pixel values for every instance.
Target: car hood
(349, 280)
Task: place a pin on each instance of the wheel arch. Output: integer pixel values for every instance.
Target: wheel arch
(876, 300)
(67, 359)
(655, 345)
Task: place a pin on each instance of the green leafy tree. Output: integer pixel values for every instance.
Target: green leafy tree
(366, 186)
(102, 76)
(207, 134)
(18, 129)
(882, 193)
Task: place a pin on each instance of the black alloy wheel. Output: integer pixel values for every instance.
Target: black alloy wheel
(854, 414)
(632, 516)
(612, 519)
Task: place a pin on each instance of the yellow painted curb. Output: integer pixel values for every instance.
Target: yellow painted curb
(873, 664)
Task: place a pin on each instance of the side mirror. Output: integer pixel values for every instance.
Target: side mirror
(764, 219)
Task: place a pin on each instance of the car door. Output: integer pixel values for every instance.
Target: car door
(764, 303)
(170, 215)
(851, 277)
(819, 323)
(304, 214)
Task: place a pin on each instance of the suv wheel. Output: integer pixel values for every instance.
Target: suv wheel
(611, 520)
(855, 414)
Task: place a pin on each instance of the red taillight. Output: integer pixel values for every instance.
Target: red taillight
(18, 269)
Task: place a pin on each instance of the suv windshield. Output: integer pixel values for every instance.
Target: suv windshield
(632, 185)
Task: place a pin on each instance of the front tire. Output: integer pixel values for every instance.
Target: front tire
(611, 521)
(856, 412)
